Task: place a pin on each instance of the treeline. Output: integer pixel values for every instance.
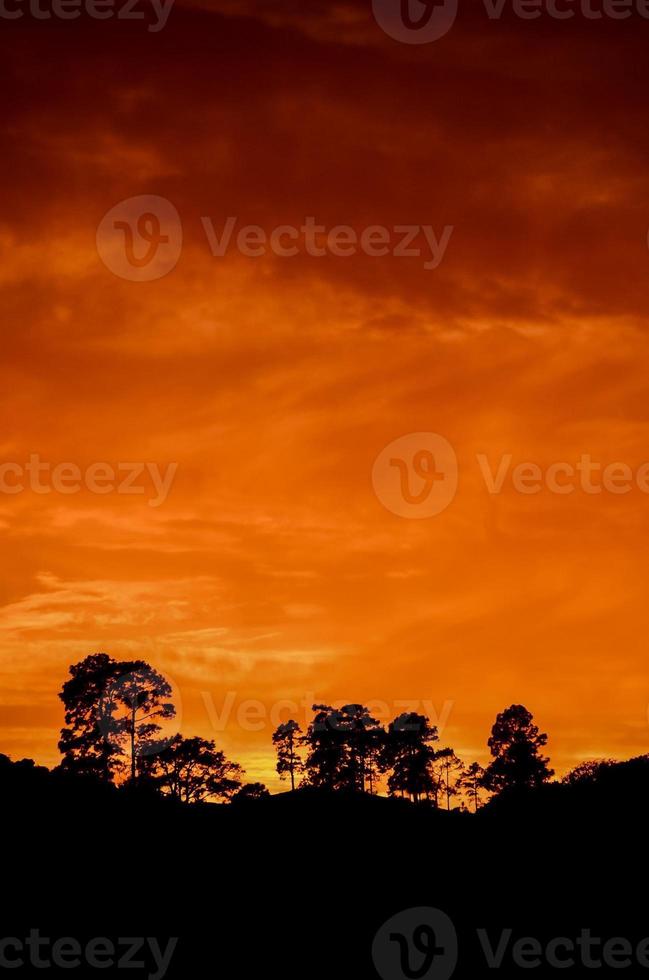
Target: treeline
(344, 748)
(112, 734)
(114, 712)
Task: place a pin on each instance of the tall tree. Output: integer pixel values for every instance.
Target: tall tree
(110, 704)
(374, 742)
(339, 741)
(326, 759)
(436, 790)
(143, 694)
(408, 751)
(471, 782)
(286, 739)
(452, 770)
(91, 742)
(360, 733)
(516, 745)
(192, 770)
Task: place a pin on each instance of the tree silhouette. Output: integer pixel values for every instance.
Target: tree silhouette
(409, 753)
(192, 770)
(108, 704)
(286, 738)
(452, 771)
(374, 742)
(515, 745)
(471, 781)
(143, 694)
(588, 772)
(437, 774)
(91, 742)
(250, 791)
(340, 741)
(325, 763)
(360, 732)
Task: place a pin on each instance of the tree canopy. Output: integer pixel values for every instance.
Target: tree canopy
(113, 711)
(515, 746)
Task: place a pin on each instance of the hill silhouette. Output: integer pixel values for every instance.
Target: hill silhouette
(157, 840)
(302, 881)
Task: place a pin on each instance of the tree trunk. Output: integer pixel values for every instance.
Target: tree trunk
(133, 745)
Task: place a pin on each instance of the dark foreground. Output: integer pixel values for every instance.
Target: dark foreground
(300, 885)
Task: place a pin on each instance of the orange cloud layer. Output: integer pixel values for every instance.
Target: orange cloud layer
(272, 572)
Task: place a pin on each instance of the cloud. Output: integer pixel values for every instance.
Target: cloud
(272, 569)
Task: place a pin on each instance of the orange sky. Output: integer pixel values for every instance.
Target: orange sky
(272, 571)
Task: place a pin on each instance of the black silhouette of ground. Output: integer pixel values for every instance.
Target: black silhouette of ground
(297, 885)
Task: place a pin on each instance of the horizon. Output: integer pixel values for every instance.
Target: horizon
(252, 716)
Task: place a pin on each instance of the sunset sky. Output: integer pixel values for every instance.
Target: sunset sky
(273, 571)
